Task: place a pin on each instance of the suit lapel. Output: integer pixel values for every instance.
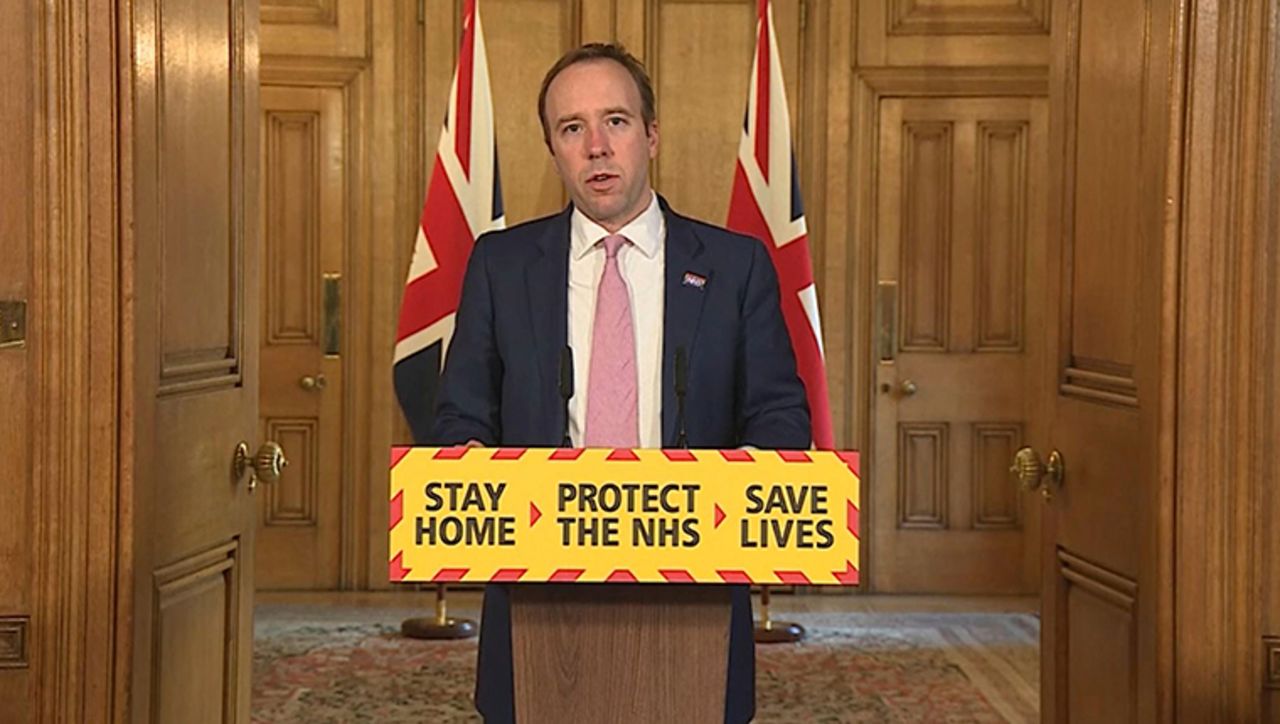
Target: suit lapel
(547, 284)
(682, 307)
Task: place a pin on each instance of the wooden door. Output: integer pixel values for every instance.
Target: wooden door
(321, 209)
(1116, 150)
(304, 224)
(960, 344)
(194, 324)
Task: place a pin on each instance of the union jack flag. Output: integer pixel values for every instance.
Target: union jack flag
(766, 204)
(464, 200)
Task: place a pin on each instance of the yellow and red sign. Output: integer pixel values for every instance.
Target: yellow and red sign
(600, 515)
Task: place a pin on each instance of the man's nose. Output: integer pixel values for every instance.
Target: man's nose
(598, 142)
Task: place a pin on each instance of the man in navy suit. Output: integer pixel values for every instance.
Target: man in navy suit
(689, 289)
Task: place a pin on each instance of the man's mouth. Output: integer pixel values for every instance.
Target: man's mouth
(601, 181)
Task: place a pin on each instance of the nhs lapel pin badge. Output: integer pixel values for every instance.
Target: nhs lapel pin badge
(697, 281)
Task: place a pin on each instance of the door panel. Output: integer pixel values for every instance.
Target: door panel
(960, 260)
(197, 610)
(195, 331)
(1109, 405)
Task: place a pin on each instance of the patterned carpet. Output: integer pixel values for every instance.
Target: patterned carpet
(853, 667)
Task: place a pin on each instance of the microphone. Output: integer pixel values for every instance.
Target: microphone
(566, 390)
(682, 387)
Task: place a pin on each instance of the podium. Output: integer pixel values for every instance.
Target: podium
(623, 570)
(620, 652)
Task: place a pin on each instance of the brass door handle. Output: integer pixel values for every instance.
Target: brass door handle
(319, 382)
(906, 389)
(266, 466)
(1033, 474)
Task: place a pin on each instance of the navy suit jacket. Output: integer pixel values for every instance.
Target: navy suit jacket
(500, 383)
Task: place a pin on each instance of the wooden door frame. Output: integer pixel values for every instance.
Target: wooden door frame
(81, 343)
(870, 87)
(1228, 371)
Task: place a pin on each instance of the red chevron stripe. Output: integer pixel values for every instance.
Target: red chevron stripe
(508, 453)
(566, 453)
(396, 570)
(737, 456)
(794, 456)
(847, 577)
(793, 578)
(622, 575)
(676, 575)
(852, 459)
(680, 456)
(851, 518)
(623, 454)
(396, 511)
(566, 575)
(398, 453)
(734, 576)
(450, 453)
(508, 575)
(446, 575)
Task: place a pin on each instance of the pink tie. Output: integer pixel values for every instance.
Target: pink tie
(611, 383)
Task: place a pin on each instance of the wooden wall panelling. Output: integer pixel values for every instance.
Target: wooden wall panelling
(1267, 362)
(401, 144)
(951, 33)
(698, 53)
(318, 27)
(524, 37)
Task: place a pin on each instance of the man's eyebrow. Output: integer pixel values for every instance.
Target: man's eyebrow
(565, 119)
(614, 111)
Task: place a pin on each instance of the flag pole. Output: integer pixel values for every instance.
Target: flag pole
(443, 255)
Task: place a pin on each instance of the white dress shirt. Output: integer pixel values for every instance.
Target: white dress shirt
(641, 263)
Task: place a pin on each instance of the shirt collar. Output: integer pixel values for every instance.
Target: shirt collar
(645, 231)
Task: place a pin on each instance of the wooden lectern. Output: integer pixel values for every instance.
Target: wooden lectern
(619, 652)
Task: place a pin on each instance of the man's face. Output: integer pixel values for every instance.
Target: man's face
(599, 141)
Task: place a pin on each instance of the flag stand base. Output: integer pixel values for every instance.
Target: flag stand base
(768, 631)
(439, 627)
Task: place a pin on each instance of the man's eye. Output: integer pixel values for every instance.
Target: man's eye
(571, 128)
(617, 121)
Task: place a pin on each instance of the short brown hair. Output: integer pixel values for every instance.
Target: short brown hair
(600, 51)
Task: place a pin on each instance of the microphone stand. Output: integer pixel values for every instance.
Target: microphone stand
(682, 388)
(566, 391)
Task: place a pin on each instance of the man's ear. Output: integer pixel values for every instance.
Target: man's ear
(652, 133)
